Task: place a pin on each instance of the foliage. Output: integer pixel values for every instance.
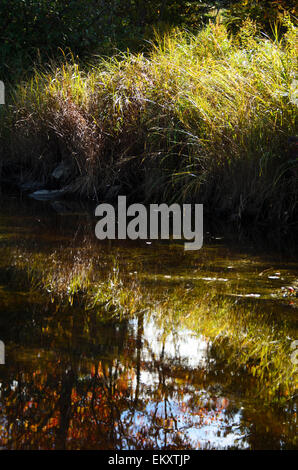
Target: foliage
(268, 14)
(35, 30)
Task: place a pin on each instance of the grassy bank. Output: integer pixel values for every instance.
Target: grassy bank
(204, 117)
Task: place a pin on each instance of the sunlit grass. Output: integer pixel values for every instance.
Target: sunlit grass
(203, 116)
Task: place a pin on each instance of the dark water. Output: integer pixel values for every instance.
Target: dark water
(78, 380)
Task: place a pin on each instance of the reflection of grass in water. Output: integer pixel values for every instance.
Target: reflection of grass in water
(76, 282)
(250, 339)
(253, 341)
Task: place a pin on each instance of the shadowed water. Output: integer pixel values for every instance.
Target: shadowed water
(77, 379)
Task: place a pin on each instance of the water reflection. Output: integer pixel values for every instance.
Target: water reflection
(75, 379)
(84, 383)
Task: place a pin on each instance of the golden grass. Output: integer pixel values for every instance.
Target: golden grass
(202, 117)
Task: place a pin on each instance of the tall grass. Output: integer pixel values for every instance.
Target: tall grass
(204, 117)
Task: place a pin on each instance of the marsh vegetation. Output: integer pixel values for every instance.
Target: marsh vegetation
(140, 344)
(205, 117)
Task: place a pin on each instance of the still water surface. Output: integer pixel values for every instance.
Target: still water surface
(77, 380)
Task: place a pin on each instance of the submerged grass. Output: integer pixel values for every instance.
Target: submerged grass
(204, 117)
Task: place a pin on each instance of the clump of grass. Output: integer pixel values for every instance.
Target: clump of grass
(204, 117)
